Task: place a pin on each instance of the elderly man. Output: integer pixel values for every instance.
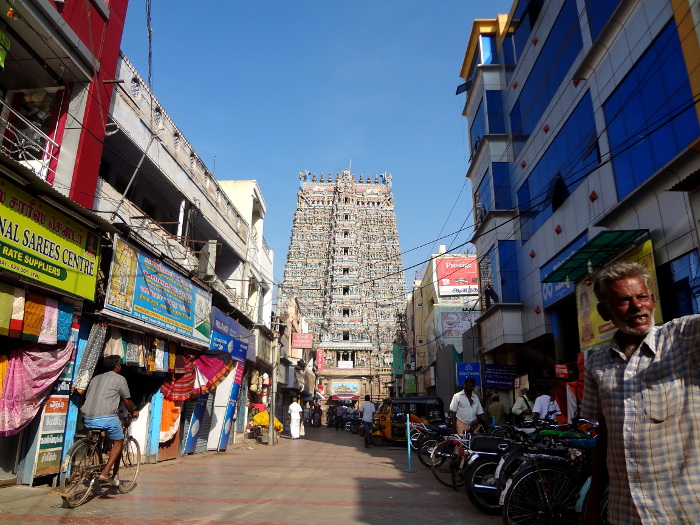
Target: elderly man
(465, 407)
(644, 390)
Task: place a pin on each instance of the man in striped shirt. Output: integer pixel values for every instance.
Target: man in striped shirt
(104, 394)
(644, 390)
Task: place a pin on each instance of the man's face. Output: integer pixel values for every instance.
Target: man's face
(629, 306)
(468, 388)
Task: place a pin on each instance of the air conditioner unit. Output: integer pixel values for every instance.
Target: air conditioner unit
(207, 261)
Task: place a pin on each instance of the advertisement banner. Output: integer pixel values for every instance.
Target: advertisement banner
(553, 292)
(302, 340)
(319, 359)
(40, 243)
(561, 371)
(454, 324)
(592, 328)
(409, 384)
(346, 387)
(398, 359)
(465, 370)
(500, 376)
(458, 275)
(195, 424)
(143, 287)
(231, 408)
(229, 336)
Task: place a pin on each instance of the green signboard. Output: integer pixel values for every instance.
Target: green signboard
(40, 243)
(398, 359)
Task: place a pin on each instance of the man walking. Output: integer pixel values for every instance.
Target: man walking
(367, 412)
(643, 390)
(522, 408)
(465, 408)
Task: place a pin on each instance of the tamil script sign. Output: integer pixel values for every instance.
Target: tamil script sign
(302, 340)
(457, 275)
(40, 243)
(142, 287)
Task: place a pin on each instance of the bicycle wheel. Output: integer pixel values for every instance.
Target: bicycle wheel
(77, 473)
(482, 484)
(446, 460)
(426, 450)
(129, 466)
(542, 494)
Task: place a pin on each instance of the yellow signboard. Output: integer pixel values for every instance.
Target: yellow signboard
(40, 243)
(592, 328)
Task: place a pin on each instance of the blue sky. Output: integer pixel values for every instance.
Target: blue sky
(271, 88)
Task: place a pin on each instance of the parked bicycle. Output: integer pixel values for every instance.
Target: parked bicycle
(87, 457)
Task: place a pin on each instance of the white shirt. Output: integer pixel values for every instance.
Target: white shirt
(546, 407)
(466, 411)
(295, 410)
(367, 411)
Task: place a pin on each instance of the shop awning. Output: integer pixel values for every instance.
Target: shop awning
(344, 397)
(593, 255)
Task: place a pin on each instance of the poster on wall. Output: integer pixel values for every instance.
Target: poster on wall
(592, 328)
(458, 275)
(345, 387)
(231, 408)
(229, 336)
(454, 324)
(195, 424)
(39, 242)
(143, 287)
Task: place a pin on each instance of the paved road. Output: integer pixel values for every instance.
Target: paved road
(327, 477)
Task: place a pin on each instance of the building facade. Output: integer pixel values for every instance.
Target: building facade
(584, 134)
(344, 268)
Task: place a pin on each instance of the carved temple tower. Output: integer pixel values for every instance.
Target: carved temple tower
(344, 268)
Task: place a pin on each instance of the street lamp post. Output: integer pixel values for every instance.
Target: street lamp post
(271, 434)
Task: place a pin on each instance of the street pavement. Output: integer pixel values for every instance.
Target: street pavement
(326, 477)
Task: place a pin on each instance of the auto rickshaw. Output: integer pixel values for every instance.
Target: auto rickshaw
(389, 423)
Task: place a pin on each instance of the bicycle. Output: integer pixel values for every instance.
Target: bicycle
(85, 460)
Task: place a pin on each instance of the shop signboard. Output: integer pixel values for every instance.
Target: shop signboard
(195, 424)
(302, 340)
(409, 384)
(398, 359)
(500, 376)
(465, 370)
(458, 275)
(561, 371)
(594, 331)
(229, 336)
(319, 359)
(231, 408)
(553, 292)
(144, 288)
(40, 243)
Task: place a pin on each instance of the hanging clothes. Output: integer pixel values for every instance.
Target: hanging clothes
(3, 370)
(34, 307)
(158, 358)
(7, 295)
(132, 348)
(48, 335)
(92, 353)
(212, 368)
(17, 319)
(170, 420)
(65, 319)
(31, 376)
(178, 387)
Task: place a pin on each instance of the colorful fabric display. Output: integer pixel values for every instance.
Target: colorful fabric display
(170, 420)
(17, 320)
(166, 356)
(7, 295)
(172, 355)
(115, 343)
(93, 350)
(65, 319)
(180, 363)
(212, 369)
(132, 349)
(48, 335)
(3, 370)
(34, 307)
(178, 387)
(159, 352)
(31, 376)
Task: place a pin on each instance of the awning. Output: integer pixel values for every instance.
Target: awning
(593, 255)
(344, 397)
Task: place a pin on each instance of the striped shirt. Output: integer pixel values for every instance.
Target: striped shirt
(104, 394)
(651, 406)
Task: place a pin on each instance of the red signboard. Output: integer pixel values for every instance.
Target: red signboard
(302, 340)
(319, 359)
(458, 275)
(561, 371)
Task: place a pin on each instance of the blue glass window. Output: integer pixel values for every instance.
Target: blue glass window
(651, 115)
(599, 12)
(562, 46)
(494, 108)
(501, 186)
(477, 127)
(686, 283)
(571, 156)
(525, 17)
(509, 281)
(483, 197)
(488, 49)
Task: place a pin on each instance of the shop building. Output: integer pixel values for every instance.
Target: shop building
(583, 122)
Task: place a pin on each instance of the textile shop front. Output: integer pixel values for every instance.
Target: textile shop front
(49, 257)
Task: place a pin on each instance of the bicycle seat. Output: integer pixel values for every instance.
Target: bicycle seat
(93, 433)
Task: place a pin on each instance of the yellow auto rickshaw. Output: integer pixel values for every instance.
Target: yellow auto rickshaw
(389, 422)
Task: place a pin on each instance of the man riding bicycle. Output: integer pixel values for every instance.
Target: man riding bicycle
(100, 410)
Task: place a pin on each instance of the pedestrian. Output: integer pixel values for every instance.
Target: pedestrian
(295, 411)
(338, 417)
(367, 412)
(465, 408)
(497, 411)
(643, 391)
(522, 408)
(546, 407)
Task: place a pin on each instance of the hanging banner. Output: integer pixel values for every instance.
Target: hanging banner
(229, 336)
(398, 359)
(40, 243)
(195, 424)
(320, 360)
(143, 287)
(592, 328)
(231, 409)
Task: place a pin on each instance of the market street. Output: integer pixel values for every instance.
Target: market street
(327, 477)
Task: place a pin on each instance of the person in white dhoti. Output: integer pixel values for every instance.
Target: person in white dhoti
(295, 411)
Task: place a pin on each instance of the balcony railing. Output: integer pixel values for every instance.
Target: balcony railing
(27, 144)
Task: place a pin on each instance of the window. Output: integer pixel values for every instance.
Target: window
(346, 251)
(599, 12)
(346, 290)
(135, 88)
(346, 336)
(525, 17)
(176, 141)
(346, 271)
(477, 127)
(346, 234)
(680, 282)
(508, 272)
(651, 115)
(346, 312)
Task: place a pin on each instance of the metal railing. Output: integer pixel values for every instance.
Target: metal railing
(26, 143)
